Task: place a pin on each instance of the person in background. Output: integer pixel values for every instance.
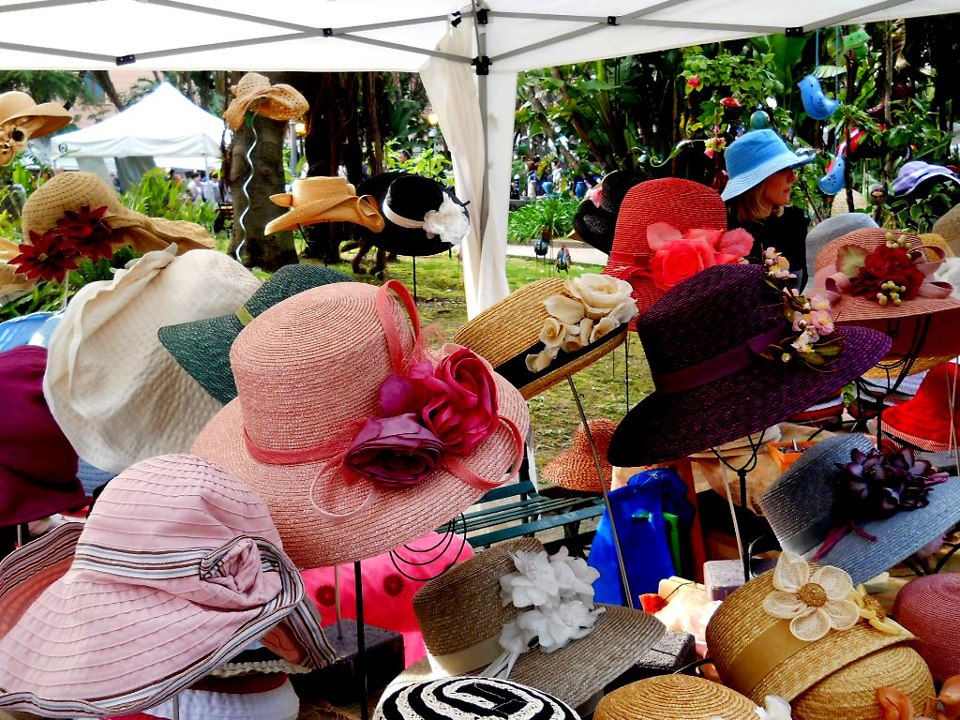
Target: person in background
(762, 169)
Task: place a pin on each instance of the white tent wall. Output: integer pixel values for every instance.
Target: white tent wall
(389, 35)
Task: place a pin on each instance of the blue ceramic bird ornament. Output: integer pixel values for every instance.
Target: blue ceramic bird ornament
(817, 105)
(832, 182)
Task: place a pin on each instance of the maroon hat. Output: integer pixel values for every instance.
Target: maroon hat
(38, 466)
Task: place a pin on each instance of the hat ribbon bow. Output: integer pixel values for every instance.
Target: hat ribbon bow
(449, 221)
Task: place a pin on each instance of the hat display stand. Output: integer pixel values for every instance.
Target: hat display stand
(249, 120)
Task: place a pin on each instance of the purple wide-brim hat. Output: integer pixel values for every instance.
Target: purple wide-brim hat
(699, 324)
(913, 173)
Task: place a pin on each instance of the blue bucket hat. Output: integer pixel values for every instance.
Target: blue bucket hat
(754, 157)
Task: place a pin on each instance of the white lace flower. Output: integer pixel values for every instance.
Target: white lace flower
(574, 577)
(534, 583)
(812, 602)
(554, 627)
(449, 221)
(776, 709)
(600, 293)
(514, 638)
(567, 310)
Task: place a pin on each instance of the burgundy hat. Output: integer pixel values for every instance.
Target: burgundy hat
(725, 364)
(929, 607)
(38, 467)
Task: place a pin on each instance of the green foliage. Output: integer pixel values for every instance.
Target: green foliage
(157, 195)
(46, 86)
(555, 213)
(431, 162)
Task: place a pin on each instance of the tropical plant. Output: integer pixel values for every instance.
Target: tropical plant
(554, 213)
(157, 195)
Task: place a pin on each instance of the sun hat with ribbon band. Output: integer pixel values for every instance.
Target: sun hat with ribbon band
(177, 569)
(117, 393)
(38, 466)
(574, 468)
(356, 438)
(596, 217)
(668, 697)
(948, 227)
(551, 328)
(755, 156)
(202, 347)
(930, 420)
(845, 504)
(483, 616)
(929, 607)
(254, 92)
(804, 633)
(421, 216)
(83, 201)
(884, 280)
(22, 119)
(726, 363)
(830, 229)
(695, 220)
(471, 698)
(324, 199)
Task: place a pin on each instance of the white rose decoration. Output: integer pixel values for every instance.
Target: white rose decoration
(567, 310)
(552, 333)
(601, 294)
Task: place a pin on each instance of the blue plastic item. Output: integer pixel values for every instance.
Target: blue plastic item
(33, 329)
(832, 182)
(817, 105)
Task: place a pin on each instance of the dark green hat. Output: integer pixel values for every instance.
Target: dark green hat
(203, 347)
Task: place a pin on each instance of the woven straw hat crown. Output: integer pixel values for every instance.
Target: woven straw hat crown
(948, 227)
(574, 468)
(669, 697)
(930, 419)
(323, 199)
(18, 108)
(277, 102)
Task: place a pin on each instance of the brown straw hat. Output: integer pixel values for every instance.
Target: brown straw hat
(574, 468)
(461, 615)
(324, 199)
(70, 191)
(756, 654)
(948, 227)
(511, 331)
(18, 109)
(255, 93)
(670, 697)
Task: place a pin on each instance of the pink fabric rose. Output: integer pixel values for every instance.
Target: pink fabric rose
(394, 451)
(463, 406)
(678, 256)
(401, 394)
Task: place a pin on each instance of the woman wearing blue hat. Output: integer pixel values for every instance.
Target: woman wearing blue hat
(761, 168)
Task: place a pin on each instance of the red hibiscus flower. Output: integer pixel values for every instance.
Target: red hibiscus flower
(46, 257)
(887, 264)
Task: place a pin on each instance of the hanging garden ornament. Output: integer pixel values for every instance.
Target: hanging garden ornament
(832, 182)
(759, 120)
(878, 193)
(856, 43)
(817, 105)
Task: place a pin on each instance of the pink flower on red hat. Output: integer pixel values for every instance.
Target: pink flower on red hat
(396, 450)
(678, 256)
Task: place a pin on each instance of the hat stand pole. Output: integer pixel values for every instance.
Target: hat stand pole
(21, 534)
(742, 472)
(361, 644)
(606, 497)
(249, 156)
(626, 369)
(414, 279)
(175, 708)
(336, 599)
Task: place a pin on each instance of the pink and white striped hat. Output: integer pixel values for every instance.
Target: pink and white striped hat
(177, 569)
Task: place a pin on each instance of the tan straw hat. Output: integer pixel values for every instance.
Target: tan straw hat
(839, 205)
(12, 285)
(255, 93)
(575, 468)
(466, 613)
(758, 654)
(551, 328)
(70, 191)
(21, 119)
(948, 227)
(324, 199)
(671, 697)
(116, 392)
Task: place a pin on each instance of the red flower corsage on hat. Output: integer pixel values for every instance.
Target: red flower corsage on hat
(52, 254)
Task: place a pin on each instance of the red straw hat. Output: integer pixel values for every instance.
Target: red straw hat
(681, 204)
(929, 607)
(852, 271)
(574, 468)
(357, 440)
(929, 420)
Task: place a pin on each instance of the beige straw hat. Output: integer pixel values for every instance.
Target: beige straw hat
(255, 93)
(71, 190)
(839, 205)
(324, 199)
(575, 468)
(672, 697)
(461, 615)
(21, 119)
(116, 392)
(758, 655)
(12, 285)
(520, 327)
(948, 227)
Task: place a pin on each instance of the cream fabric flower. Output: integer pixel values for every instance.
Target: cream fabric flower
(873, 613)
(776, 708)
(541, 360)
(553, 333)
(567, 310)
(554, 627)
(604, 327)
(814, 602)
(535, 582)
(599, 293)
(449, 221)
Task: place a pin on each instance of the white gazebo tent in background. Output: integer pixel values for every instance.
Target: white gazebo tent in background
(468, 53)
(164, 126)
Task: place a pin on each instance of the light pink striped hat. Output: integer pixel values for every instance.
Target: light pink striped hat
(177, 569)
(929, 607)
(356, 438)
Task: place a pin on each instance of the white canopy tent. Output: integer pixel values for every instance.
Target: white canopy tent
(469, 56)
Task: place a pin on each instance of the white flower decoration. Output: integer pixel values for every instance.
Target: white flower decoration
(534, 583)
(552, 333)
(814, 603)
(601, 294)
(776, 709)
(541, 360)
(555, 627)
(449, 221)
(574, 577)
(567, 310)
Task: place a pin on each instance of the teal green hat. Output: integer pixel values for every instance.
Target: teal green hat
(203, 347)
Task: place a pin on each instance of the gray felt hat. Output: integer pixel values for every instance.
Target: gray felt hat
(830, 229)
(801, 507)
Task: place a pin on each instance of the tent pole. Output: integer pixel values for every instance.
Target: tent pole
(484, 122)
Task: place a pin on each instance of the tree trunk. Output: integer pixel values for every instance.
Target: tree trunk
(103, 80)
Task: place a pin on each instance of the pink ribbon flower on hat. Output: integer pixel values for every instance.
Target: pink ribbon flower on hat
(678, 256)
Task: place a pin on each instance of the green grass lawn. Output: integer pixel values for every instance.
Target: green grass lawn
(602, 386)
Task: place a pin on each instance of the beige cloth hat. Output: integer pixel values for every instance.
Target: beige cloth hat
(255, 93)
(69, 191)
(117, 394)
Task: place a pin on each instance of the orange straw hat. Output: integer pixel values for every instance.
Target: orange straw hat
(803, 632)
(574, 468)
(670, 697)
(324, 199)
(356, 439)
(255, 93)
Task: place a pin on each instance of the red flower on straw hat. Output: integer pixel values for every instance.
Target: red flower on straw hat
(86, 230)
(46, 256)
(678, 256)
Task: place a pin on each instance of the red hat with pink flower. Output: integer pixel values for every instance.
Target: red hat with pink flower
(667, 231)
(357, 438)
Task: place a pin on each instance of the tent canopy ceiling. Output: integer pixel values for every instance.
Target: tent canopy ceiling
(390, 35)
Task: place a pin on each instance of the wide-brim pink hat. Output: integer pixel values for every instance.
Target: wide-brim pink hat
(929, 607)
(177, 569)
(309, 375)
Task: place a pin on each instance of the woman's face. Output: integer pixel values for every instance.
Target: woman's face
(776, 188)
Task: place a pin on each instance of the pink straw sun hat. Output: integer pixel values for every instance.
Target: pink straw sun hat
(178, 568)
(355, 438)
(929, 607)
